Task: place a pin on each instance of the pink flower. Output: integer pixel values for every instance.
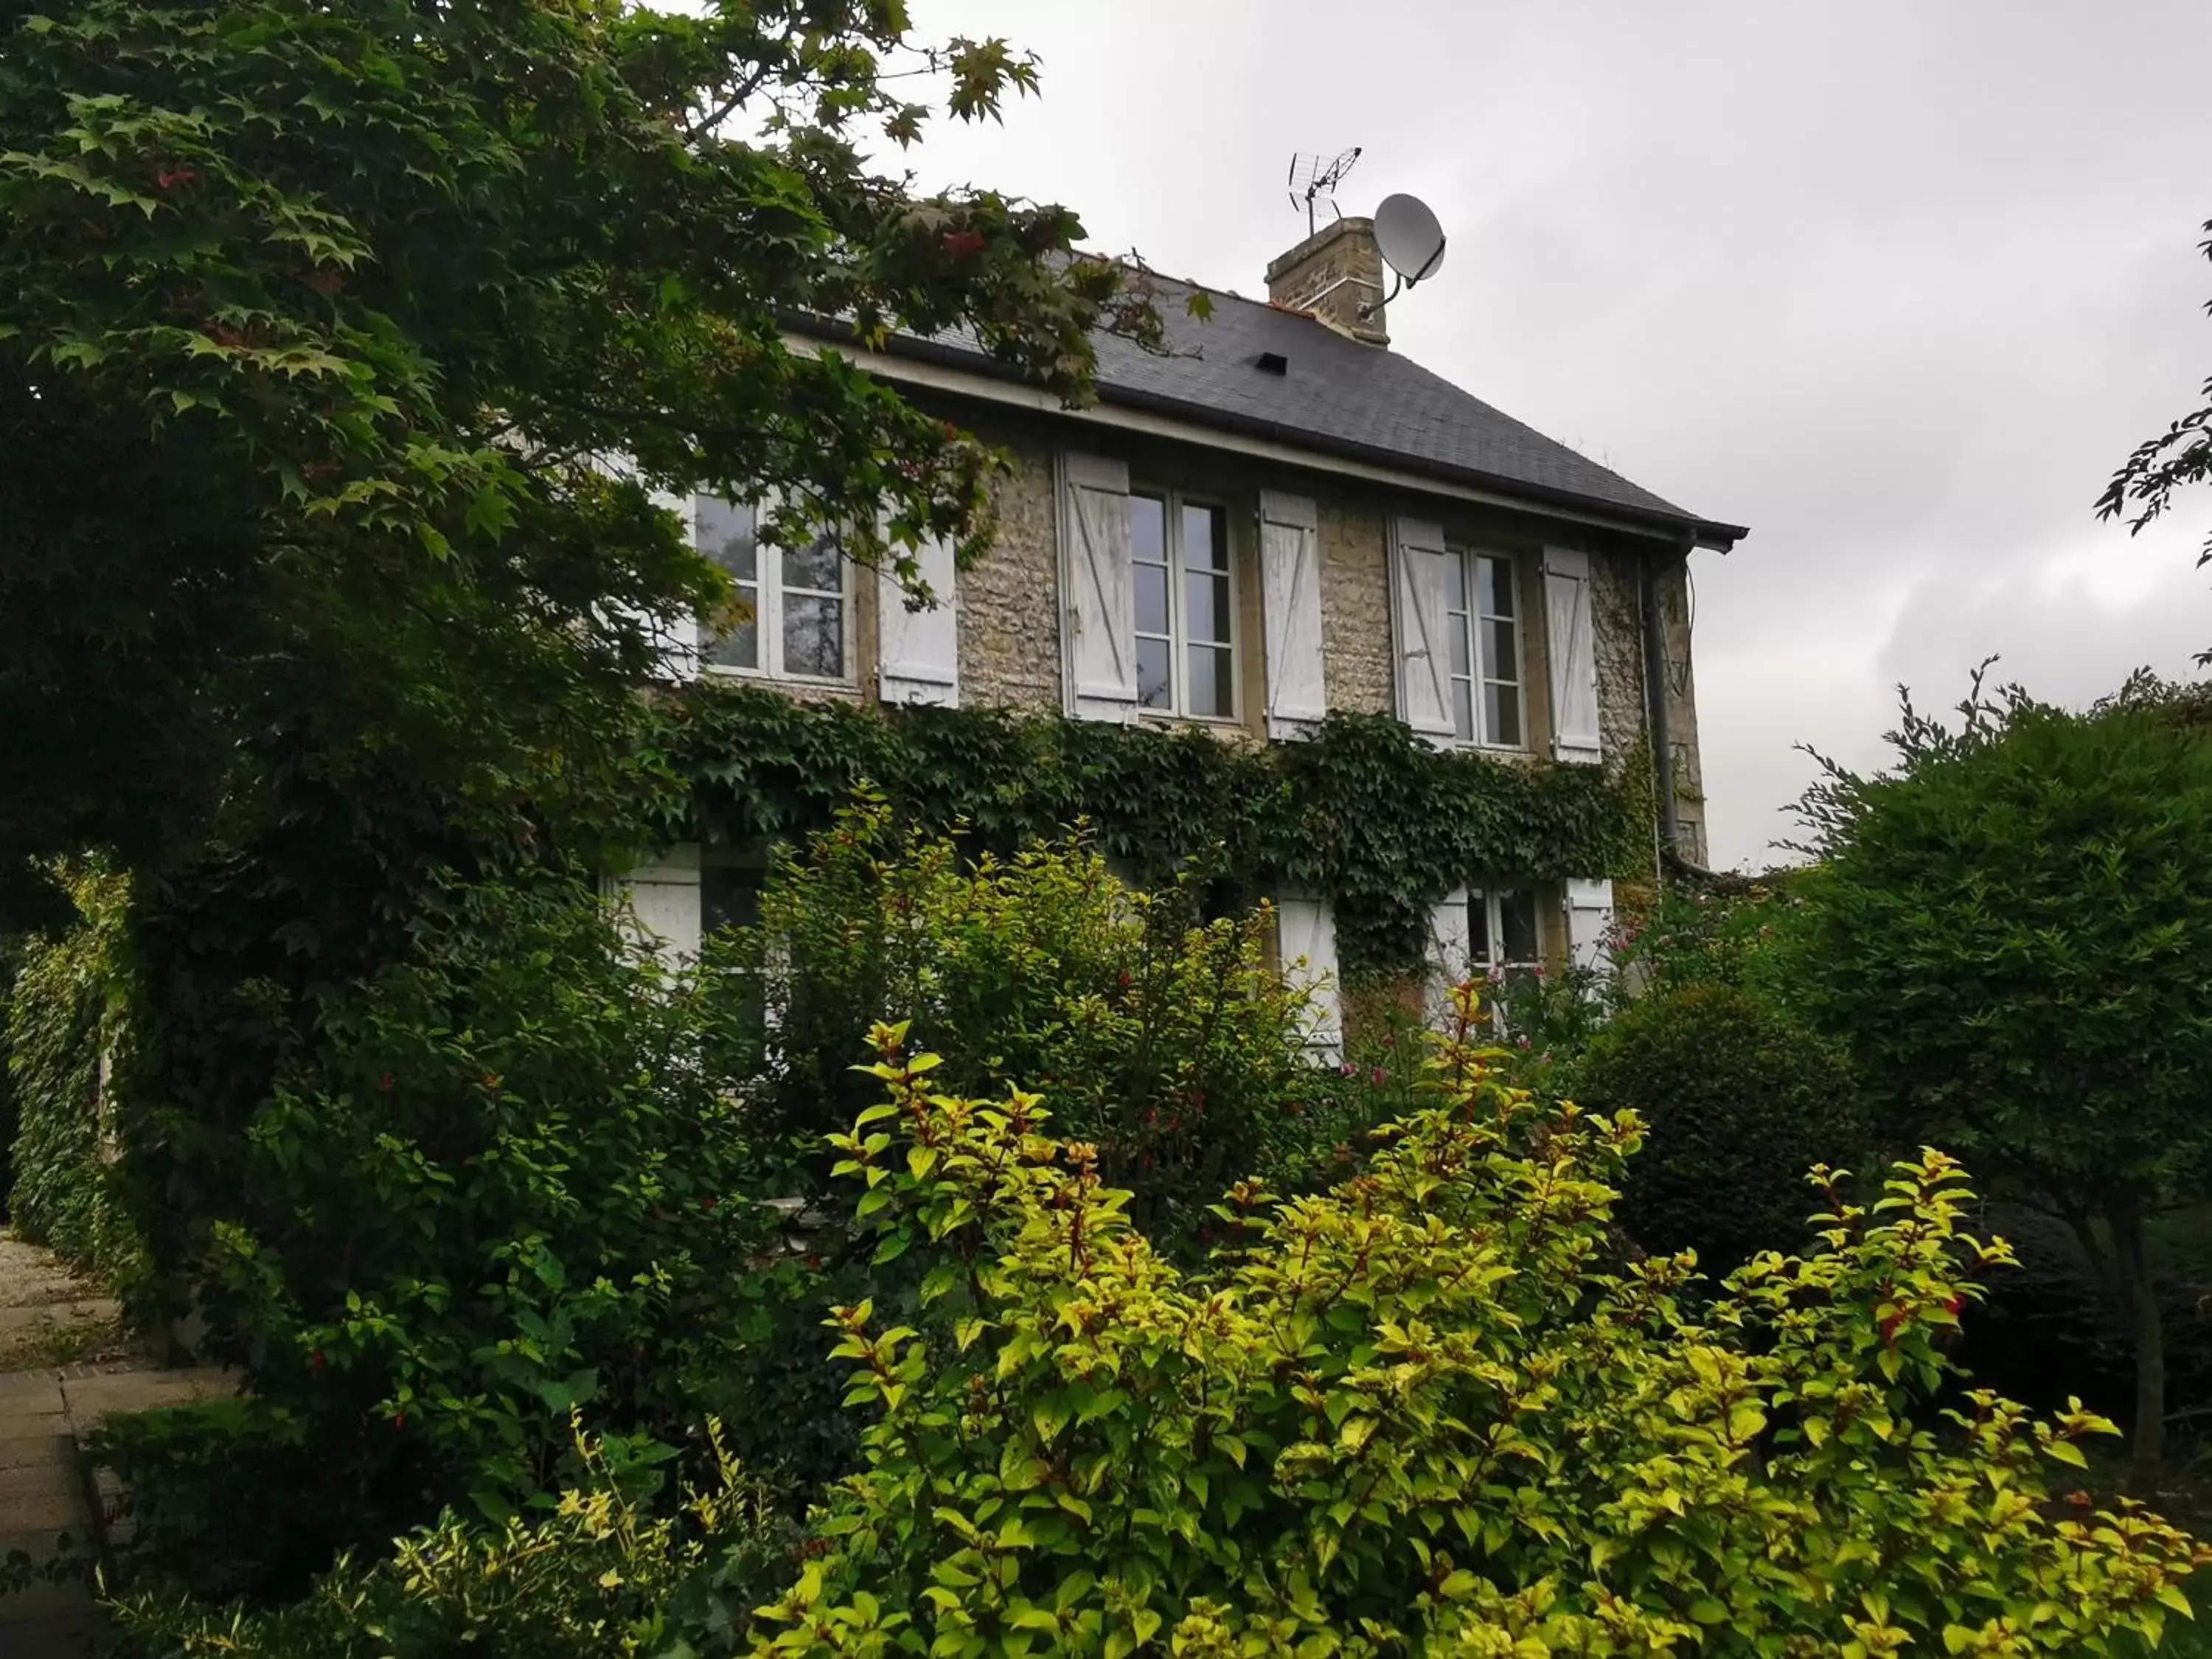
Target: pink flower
(1524, 1045)
(1347, 1070)
(1377, 1078)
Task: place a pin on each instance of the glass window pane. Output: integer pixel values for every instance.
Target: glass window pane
(1455, 583)
(814, 636)
(1154, 677)
(1478, 931)
(1504, 652)
(1463, 709)
(820, 566)
(1206, 618)
(1495, 580)
(1152, 598)
(1211, 690)
(1148, 528)
(1203, 545)
(1456, 627)
(726, 536)
(1501, 713)
(729, 895)
(738, 644)
(1516, 923)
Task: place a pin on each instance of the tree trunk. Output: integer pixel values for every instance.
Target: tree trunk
(2148, 1450)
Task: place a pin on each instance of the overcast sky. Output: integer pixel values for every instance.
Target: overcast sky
(1898, 285)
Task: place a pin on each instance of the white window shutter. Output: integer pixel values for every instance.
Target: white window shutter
(919, 651)
(1290, 593)
(1571, 631)
(1451, 938)
(1590, 923)
(1418, 616)
(1097, 589)
(663, 895)
(1306, 929)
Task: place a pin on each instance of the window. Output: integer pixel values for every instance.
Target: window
(1501, 931)
(1483, 623)
(1186, 617)
(795, 599)
(729, 894)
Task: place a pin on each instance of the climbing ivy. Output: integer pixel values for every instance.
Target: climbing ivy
(66, 1023)
(1363, 813)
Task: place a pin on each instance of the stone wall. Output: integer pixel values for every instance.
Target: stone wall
(1010, 601)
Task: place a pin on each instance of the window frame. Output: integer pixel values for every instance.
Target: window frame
(1172, 502)
(769, 587)
(1493, 964)
(1471, 625)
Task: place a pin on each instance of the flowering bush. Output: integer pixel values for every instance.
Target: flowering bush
(1428, 1410)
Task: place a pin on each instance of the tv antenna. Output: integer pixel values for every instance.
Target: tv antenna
(1410, 242)
(1314, 178)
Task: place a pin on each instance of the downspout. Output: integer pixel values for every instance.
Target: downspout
(1658, 717)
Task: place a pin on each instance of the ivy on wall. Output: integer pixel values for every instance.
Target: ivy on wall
(1363, 813)
(65, 1012)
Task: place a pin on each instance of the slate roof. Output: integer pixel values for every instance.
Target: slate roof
(1337, 396)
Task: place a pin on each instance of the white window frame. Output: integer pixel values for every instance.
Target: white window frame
(1172, 502)
(767, 593)
(1470, 626)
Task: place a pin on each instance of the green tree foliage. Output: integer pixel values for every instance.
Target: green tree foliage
(1738, 1100)
(2008, 932)
(1426, 1412)
(324, 324)
(2143, 489)
(502, 1183)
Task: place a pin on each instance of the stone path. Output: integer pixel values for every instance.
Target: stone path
(71, 1369)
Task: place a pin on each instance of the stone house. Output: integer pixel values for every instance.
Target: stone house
(1280, 518)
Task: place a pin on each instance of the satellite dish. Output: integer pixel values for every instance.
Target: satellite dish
(1411, 239)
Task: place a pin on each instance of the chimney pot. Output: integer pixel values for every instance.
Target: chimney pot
(1332, 274)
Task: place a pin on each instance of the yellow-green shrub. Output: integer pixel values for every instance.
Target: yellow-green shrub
(1430, 1410)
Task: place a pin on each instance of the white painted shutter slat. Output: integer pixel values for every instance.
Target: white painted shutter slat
(1417, 581)
(1590, 923)
(1306, 929)
(663, 895)
(919, 651)
(1571, 632)
(1098, 588)
(1450, 941)
(1289, 586)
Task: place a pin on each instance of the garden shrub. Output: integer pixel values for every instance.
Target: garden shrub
(1738, 1101)
(68, 1021)
(599, 1577)
(2008, 932)
(502, 1183)
(1170, 1041)
(1428, 1411)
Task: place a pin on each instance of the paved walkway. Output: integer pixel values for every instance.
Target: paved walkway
(69, 1369)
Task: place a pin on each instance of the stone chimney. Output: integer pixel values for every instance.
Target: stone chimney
(1333, 273)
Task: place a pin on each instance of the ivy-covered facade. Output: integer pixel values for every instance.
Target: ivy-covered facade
(1281, 599)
